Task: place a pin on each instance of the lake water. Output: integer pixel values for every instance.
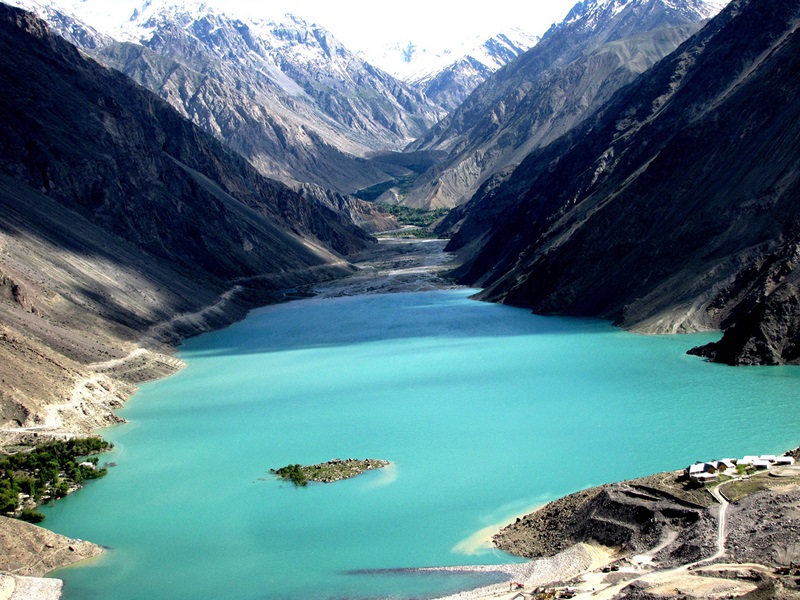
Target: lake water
(484, 411)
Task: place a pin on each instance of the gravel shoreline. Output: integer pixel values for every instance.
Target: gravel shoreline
(541, 572)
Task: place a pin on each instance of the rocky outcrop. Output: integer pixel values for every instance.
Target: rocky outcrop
(32, 551)
(764, 326)
(631, 516)
(672, 208)
(569, 74)
(371, 217)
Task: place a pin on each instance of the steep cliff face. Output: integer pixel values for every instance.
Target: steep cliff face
(571, 72)
(118, 216)
(671, 209)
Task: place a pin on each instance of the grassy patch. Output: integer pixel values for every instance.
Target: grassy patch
(417, 217)
(738, 490)
(410, 233)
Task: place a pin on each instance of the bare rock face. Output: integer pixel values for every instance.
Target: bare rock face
(764, 329)
(672, 208)
(369, 216)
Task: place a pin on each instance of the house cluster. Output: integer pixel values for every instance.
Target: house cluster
(704, 472)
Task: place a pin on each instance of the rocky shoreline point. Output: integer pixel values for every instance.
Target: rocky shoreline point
(29, 552)
(328, 472)
(669, 537)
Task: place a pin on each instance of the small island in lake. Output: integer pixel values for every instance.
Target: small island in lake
(327, 472)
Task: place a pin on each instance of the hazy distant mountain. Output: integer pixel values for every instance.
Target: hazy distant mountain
(447, 76)
(117, 215)
(286, 95)
(673, 208)
(572, 71)
(450, 86)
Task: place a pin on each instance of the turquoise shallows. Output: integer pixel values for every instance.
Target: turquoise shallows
(484, 410)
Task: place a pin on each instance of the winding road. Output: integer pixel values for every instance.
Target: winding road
(657, 577)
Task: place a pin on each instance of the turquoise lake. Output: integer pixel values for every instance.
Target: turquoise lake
(484, 410)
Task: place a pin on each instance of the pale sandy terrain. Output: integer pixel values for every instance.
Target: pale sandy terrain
(28, 552)
(13, 587)
(32, 551)
(395, 265)
(542, 572)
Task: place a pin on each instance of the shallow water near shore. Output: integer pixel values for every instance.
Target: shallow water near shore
(484, 411)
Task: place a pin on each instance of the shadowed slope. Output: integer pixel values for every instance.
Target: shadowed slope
(674, 207)
(116, 214)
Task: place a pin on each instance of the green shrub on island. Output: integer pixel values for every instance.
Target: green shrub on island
(293, 473)
(47, 472)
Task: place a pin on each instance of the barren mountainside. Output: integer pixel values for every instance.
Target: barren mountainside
(671, 209)
(286, 95)
(118, 216)
(569, 74)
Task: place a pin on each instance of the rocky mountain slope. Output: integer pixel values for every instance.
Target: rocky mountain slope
(120, 221)
(571, 72)
(674, 207)
(286, 95)
(658, 525)
(634, 516)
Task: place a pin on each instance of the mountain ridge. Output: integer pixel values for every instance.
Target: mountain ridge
(118, 216)
(677, 193)
(450, 85)
(570, 73)
(288, 97)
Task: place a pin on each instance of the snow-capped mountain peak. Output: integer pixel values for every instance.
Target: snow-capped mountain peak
(590, 14)
(152, 14)
(413, 62)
